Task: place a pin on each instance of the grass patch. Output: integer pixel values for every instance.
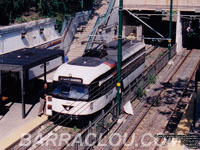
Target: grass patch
(70, 132)
(20, 20)
(152, 79)
(160, 55)
(140, 91)
(75, 128)
(35, 18)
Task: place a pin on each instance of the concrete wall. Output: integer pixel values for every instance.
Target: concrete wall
(10, 36)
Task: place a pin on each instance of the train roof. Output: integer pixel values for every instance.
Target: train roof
(90, 68)
(90, 61)
(128, 49)
(86, 68)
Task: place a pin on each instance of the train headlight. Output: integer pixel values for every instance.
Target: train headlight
(67, 108)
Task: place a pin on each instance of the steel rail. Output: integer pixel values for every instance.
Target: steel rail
(135, 126)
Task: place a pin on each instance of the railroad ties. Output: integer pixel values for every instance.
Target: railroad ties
(160, 111)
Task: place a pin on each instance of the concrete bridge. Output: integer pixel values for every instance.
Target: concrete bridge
(181, 9)
(182, 5)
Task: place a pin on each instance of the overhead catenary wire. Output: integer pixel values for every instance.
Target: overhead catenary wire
(66, 118)
(86, 107)
(160, 38)
(145, 23)
(63, 122)
(69, 117)
(91, 94)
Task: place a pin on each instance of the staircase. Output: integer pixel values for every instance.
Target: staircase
(78, 46)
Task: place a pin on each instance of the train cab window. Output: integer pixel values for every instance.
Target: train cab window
(94, 91)
(70, 91)
(61, 89)
(79, 91)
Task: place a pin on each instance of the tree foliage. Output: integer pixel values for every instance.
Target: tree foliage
(12, 10)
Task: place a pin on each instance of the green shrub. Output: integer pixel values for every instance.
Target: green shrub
(20, 20)
(140, 91)
(75, 128)
(152, 79)
(160, 55)
(70, 132)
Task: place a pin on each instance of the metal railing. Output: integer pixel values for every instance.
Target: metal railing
(99, 22)
(70, 28)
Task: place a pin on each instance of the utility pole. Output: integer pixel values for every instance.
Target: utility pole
(170, 30)
(119, 55)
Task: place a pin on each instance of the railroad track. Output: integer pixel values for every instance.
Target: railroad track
(144, 108)
(175, 116)
(152, 56)
(51, 129)
(59, 133)
(151, 49)
(170, 96)
(155, 45)
(136, 103)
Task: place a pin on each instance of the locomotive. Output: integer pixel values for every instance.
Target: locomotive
(87, 84)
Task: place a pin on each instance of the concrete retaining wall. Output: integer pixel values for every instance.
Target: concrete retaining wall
(11, 40)
(11, 36)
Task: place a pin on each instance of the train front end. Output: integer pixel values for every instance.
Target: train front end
(73, 90)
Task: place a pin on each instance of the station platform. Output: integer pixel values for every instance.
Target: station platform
(12, 126)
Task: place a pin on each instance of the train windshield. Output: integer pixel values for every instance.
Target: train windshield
(70, 91)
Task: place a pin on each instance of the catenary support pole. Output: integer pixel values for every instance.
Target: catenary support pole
(45, 72)
(119, 55)
(170, 30)
(22, 93)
